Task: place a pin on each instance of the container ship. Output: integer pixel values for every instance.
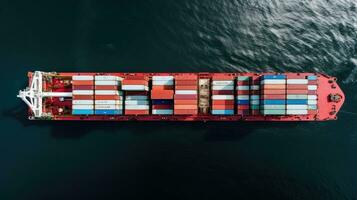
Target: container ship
(182, 96)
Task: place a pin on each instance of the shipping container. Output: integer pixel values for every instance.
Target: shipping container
(82, 78)
(113, 83)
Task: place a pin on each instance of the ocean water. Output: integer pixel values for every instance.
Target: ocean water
(162, 160)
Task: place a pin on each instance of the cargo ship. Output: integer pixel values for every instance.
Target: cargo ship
(182, 96)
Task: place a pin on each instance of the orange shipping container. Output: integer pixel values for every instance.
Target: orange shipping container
(296, 87)
(74, 82)
(223, 107)
(162, 94)
(82, 97)
(107, 97)
(274, 96)
(186, 87)
(223, 102)
(106, 87)
(222, 78)
(186, 77)
(186, 82)
(136, 78)
(296, 91)
(185, 102)
(273, 92)
(162, 87)
(194, 106)
(274, 86)
(185, 111)
(136, 112)
(134, 82)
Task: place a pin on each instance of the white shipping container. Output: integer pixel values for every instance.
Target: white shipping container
(164, 82)
(296, 112)
(312, 87)
(106, 83)
(254, 87)
(107, 78)
(243, 97)
(273, 81)
(223, 87)
(135, 87)
(82, 92)
(136, 97)
(254, 102)
(228, 83)
(254, 97)
(312, 102)
(136, 107)
(107, 92)
(82, 102)
(108, 107)
(312, 97)
(83, 107)
(186, 92)
(297, 81)
(136, 102)
(162, 112)
(273, 107)
(104, 102)
(82, 78)
(296, 96)
(242, 87)
(296, 107)
(222, 97)
(162, 78)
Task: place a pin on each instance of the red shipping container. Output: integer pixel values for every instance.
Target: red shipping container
(186, 87)
(255, 92)
(106, 87)
(185, 96)
(185, 102)
(274, 96)
(255, 112)
(162, 94)
(256, 82)
(243, 112)
(312, 92)
(295, 76)
(194, 106)
(83, 87)
(296, 91)
(243, 107)
(223, 102)
(222, 92)
(221, 77)
(186, 77)
(135, 82)
(222, 107)
(185, 112)
(312, 82)
(136, 112)
(107, 97)
(296, 87)
(186, 82)
(74, 82)
(162, 87)
(162, 106)
(136, 78)
(244, 92)
(82, 97)
(243, 83)
(274, 86)
(273, 92)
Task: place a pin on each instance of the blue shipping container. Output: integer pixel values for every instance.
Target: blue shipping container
(280, 76)
(296, 101)
(243, 102)
(82, 112)
(311, 78)
(108, 112)
(223, 112)
(162, 102)
(273, 102)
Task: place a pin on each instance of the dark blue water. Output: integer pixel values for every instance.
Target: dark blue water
(81, 160)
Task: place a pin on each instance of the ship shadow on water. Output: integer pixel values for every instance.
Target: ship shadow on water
(212, 131)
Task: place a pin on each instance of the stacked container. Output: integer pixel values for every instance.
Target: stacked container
(243, 83)
(222, 95)
(312, 94)
(273, 98)
(162, 95)
(186, 98)
(255, 95)
(108, 98)
(136, 95)
(82, 95)
(296, 95)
